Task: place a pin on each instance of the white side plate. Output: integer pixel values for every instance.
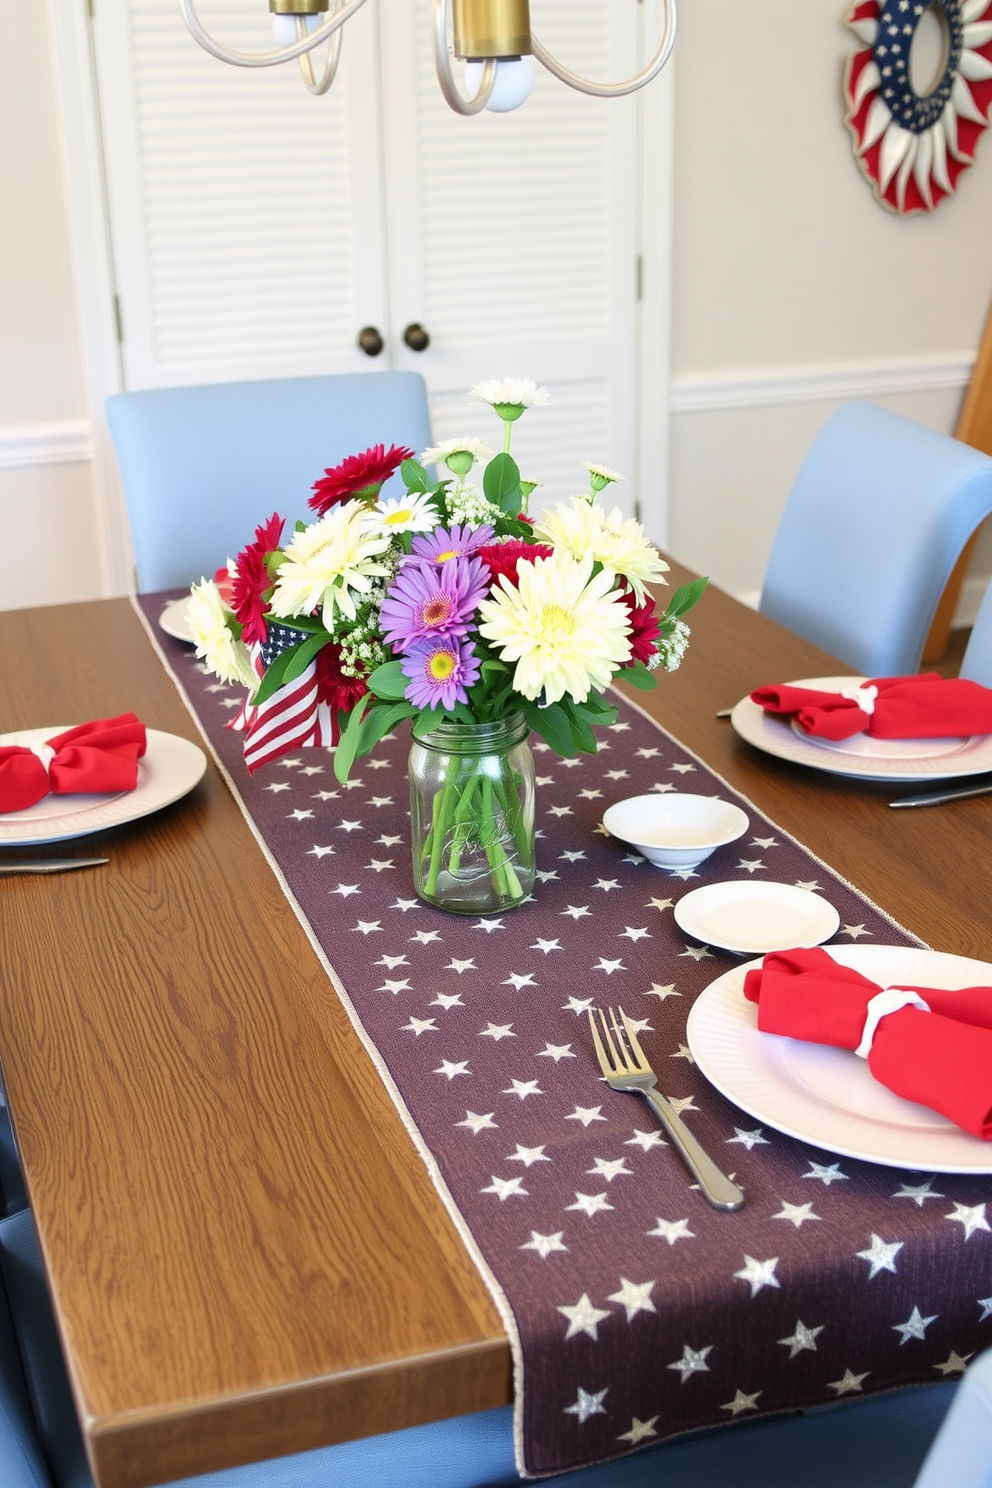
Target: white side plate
(828, 1096)
(754, 917)
(173, 620)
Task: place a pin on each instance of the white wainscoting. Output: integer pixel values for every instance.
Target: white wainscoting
(23, 446)
(825, 382)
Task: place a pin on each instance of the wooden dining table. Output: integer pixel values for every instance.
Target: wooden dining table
(245, 1253)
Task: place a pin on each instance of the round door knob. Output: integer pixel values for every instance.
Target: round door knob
(416, 337)
(370, 341)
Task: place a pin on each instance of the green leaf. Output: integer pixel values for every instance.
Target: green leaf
(684, 598)
(347, 746)
(312, 624)
(415, 477)
(276, 674)
(501, 483)
(583, 738)
(638, 676)
(388, 681)
(599, 709)
(381, 721)
(552, 725)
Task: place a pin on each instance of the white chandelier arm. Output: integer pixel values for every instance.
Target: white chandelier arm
(267, 59)
(442, 65)
(319, 86)
(613, 90)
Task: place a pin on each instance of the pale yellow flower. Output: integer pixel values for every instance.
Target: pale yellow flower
(225, 655)
(584, 529)
(329, 563)
(567, 630)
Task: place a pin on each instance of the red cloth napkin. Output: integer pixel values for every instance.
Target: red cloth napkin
(924, 707)
(941, 1058)
(92, 758)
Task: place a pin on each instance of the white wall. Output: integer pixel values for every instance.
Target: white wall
(793, 290)
(790, 281)
(47, 497)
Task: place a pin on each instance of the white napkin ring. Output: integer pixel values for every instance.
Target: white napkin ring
(888, 1001)
(45, 753)
(863, 696)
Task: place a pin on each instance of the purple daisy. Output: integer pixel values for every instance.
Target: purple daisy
(440, 670)
(445, 543)
(439, 601)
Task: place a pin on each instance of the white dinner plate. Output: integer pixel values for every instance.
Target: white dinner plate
(754, 917)
(862, 757)
(174, 620)
(828, 1096)
(169, 769)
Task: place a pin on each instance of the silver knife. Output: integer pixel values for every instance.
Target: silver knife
(949, 793)
(47, 865)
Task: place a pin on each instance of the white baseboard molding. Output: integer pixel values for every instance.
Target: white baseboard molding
(68, 442)
(969, 600)
(823, 382)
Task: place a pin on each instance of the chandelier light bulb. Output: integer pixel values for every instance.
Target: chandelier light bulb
(284, 28)
(514, 81)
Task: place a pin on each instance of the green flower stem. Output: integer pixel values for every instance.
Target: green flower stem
(504, 877)
(467, 809)
(507, 799)
(439, 819)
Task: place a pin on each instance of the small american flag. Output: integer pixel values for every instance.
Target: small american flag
(293, 716)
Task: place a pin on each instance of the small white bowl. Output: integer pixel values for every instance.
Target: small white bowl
(675, 830)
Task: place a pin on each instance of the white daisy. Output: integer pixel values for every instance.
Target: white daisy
(584, 529)
(567, 630)
(601, 476)
(329, 562)
(413, 512)
(469, 445)
(510, 392)
(226, 655)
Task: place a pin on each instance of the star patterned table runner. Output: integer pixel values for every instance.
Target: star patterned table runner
(635, 1312)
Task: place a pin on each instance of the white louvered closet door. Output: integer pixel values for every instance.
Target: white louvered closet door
(513, 241)
(246, 216)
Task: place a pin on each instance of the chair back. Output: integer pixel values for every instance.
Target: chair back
(977, 660)
(961, 1454)
(874, 523)
(202, 466)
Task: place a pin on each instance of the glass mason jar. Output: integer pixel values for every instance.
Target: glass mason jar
(472, 815)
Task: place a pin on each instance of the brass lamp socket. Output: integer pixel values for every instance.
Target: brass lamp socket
(491, 28)
(298, 7)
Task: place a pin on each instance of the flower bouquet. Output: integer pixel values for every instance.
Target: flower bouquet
(450, 607)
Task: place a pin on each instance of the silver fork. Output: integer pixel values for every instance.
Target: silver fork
(624, 1067)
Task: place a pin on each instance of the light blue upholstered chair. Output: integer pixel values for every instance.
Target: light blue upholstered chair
(879, 512)
(878, 1442)
(202, 466)
(977, 660)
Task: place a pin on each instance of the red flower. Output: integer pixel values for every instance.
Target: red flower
(502, 558)
(359, 475)
(341, 693)
(643, 629)
(253, 582)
